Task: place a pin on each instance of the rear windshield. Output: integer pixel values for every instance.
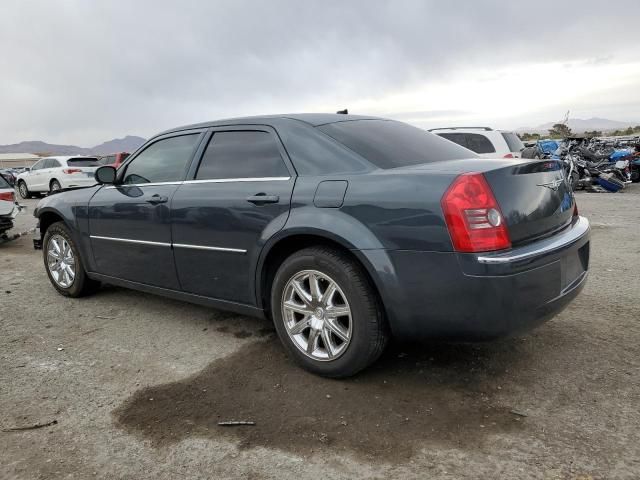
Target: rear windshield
(83, 162)
(515, 144)
(390, 144)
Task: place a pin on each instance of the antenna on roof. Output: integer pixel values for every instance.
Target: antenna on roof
(343, 112)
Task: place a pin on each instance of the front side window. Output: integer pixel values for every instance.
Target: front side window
(459, 138)
(479, 143)
(241, 154)
(38, 165)
(166, 160)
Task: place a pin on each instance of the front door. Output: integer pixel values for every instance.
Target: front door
(129, 223)
(239, 196)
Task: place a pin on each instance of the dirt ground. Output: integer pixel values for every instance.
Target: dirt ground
(137, 385)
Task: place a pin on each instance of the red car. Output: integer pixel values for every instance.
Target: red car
(114, 160)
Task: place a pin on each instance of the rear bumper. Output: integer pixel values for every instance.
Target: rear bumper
(485, 296)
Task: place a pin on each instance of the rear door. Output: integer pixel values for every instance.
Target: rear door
(238, 197)
(129, 223)
(51, 167)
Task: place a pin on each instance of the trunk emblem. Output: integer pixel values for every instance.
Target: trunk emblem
(555, 185)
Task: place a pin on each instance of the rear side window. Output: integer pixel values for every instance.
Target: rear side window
(390, 144)
(166, 160)
(4, 183)
(479, 143)
(83, 162)
(514, 143)
(241, 154)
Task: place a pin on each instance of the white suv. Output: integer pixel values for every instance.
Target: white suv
(54, 173)
(485, 141)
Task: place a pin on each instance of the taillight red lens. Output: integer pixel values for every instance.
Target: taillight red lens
(473, 215)
(508, 155)
(7, 196)
(72, 170)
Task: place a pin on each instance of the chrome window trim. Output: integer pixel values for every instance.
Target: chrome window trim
(127, 240)
(214, 249)
(152, 184)
(211, 180)
(247, 179)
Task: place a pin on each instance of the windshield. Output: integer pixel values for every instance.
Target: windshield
(83, 162)
(391, 144)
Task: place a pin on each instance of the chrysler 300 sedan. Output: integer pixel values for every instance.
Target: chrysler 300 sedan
(344, 230)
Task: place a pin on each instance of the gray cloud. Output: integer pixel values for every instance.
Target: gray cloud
(77, 71)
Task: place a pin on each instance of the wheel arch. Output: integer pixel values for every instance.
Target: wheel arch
(289, 242)
(48, 218)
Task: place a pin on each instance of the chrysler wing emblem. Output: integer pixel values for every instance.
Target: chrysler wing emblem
(555, 185)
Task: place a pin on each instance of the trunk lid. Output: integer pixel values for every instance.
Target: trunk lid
(534, 197)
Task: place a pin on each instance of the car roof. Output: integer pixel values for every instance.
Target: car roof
(313, 119)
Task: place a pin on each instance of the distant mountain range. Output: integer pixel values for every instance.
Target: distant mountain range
(578, 125)
(126, 144)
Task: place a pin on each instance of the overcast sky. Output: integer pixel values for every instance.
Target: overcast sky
(81, 72)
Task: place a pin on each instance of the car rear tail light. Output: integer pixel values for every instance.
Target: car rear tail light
(7, 196)
(509, 155)
(473, 215)
(69, 171)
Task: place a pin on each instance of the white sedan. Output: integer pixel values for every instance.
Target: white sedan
(54, 173)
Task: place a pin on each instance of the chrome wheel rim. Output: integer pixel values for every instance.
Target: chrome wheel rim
(55, 186)
(317, 315)
(23, 190)
(61, 261)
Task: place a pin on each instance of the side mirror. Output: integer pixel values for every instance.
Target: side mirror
(105, 175)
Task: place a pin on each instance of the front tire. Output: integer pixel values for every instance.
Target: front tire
(63, 263)
(327, 313)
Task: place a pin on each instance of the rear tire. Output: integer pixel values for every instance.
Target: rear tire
(63, 263)
(24, 190)
(55, 186)
(342, 343)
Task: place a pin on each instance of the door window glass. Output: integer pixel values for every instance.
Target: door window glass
(166, 160)
(242, 154)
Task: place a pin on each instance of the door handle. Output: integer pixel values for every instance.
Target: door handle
(157, 199)
(262, 198)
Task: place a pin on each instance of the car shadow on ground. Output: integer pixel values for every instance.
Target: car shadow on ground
(414, 395)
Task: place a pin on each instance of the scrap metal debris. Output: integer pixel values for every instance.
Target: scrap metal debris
(236, 424)
(30, 427)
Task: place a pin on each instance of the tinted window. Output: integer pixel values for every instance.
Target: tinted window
(479, 143)
(53, 163)
(242, 155)
(163, 161)
(83, 162)
(390, 144)
(4, 183)
(514, 143)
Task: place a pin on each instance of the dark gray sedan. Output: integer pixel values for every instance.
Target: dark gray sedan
(344, 230)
